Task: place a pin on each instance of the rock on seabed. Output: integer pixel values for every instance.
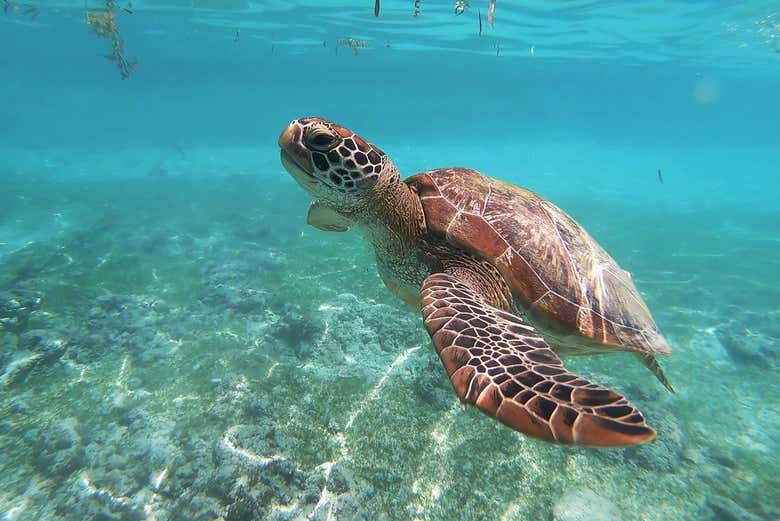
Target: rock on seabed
(583, 504)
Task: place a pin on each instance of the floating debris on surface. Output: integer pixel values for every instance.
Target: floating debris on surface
(354, 44)
(479, 14)
(768, 23)
(23, 9)
(103, 21)
(768, 28)
(491, 13)
(376, 8)
(460, 7)
(417, 7)
(660, 177)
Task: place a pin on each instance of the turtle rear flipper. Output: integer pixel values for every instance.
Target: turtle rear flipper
(651, 363)
(498, 362)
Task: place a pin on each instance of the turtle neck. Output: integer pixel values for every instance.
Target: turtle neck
(392, 221)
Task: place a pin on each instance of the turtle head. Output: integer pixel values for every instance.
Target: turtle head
(331, 162)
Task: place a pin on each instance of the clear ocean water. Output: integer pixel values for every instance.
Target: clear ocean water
(177, 344)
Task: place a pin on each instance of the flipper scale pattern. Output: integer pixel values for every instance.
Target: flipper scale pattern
(498, 362)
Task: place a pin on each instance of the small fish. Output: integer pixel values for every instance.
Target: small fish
(479, 13)
(376, 7)
(127, 10)
(498, 49)
(660, 177)
(491, 13)
(417, 7)
(237, 36)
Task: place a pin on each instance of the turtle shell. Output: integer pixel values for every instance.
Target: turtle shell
(558, 273)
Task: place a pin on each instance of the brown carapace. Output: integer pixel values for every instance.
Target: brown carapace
(554, 267)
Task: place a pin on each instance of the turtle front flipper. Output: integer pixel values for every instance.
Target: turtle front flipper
(326, 219)
(498, 362)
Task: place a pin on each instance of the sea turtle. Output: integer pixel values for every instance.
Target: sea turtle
(501, 275)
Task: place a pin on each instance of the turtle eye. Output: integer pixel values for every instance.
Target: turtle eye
(320, 138)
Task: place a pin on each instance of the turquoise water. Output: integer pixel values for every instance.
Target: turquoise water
(177, 344)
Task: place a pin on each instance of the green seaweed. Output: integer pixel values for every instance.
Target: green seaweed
(104, 23)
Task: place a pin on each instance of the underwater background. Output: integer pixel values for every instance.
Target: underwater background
(177, 344)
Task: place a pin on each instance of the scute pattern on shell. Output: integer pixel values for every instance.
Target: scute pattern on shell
(555, 269)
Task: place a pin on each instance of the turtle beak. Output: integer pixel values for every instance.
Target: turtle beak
(293, 153)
